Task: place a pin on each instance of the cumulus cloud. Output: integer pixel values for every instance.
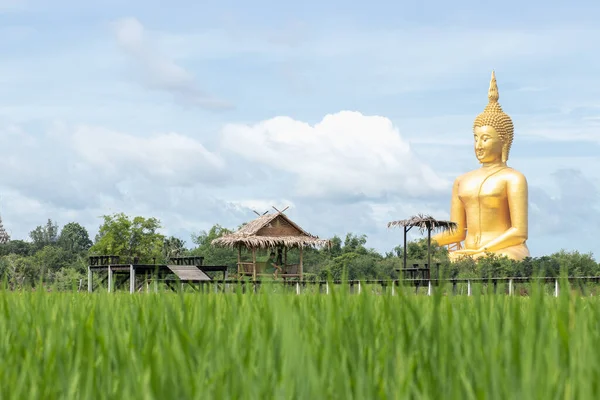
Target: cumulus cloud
(347, 154)
(81, 173)
(171, 158)
(574, 208)
(161, 72)
(72, 167)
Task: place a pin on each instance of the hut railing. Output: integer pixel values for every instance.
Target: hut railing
(291, 271)
(246, 267)
(250, 268)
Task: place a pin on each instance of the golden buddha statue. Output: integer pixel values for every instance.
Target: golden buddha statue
(489, 204)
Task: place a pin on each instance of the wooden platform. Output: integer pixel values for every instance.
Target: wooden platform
(188, 273)
(184, 270)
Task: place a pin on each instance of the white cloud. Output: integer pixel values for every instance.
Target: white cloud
(346, 154)
(171, 158)
(73, 167)
(78, 174)
(261, 205)
(566, 217)
(161, 72)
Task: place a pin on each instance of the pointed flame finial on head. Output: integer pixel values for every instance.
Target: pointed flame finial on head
(493, 116)
(493, 95)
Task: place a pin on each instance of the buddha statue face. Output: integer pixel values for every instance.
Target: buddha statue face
(493, 129)
(488, 144)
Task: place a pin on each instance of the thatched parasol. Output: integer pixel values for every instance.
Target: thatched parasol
(424, 223)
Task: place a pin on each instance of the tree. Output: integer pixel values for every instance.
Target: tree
(173, 247)
(19, 247)
(44, 235)
(122, 236)
(355, 244)
(214, 255)
(74, 238)
(19, 271)
(50, 259)
(416, 251)
(336, 246)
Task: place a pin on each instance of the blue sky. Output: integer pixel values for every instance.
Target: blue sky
(353, 114)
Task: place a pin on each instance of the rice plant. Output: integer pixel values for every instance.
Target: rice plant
(283, 346)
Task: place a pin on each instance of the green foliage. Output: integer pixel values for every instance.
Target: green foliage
(60, 259)
(174, 247)
(19, 247)
(51, 259)
(74, 238)
(19, 271)
(572, 263)
(416, 251)
(131, 238)
(355, 244)
(67, 278)
(214, 255)
(44, 235)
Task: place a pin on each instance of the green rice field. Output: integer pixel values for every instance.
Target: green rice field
(310, 346)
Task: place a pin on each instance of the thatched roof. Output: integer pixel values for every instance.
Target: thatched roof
(270, 230)
(424, 223)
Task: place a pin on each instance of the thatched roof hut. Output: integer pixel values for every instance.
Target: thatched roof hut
(424, 223)
(270, 231)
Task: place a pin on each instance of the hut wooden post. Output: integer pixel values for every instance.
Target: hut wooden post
(405, 232)
(406, 229)
(301, 266)
(429, 251)
(239, 255)
(254, 263)
(284, 259)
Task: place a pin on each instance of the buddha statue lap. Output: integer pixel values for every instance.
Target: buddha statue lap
(489, 204)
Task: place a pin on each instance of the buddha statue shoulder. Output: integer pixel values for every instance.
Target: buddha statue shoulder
(489, 204)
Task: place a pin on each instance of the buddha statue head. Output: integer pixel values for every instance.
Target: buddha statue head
(496, 128)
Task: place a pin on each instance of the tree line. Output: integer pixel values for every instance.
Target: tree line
(58, 257)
